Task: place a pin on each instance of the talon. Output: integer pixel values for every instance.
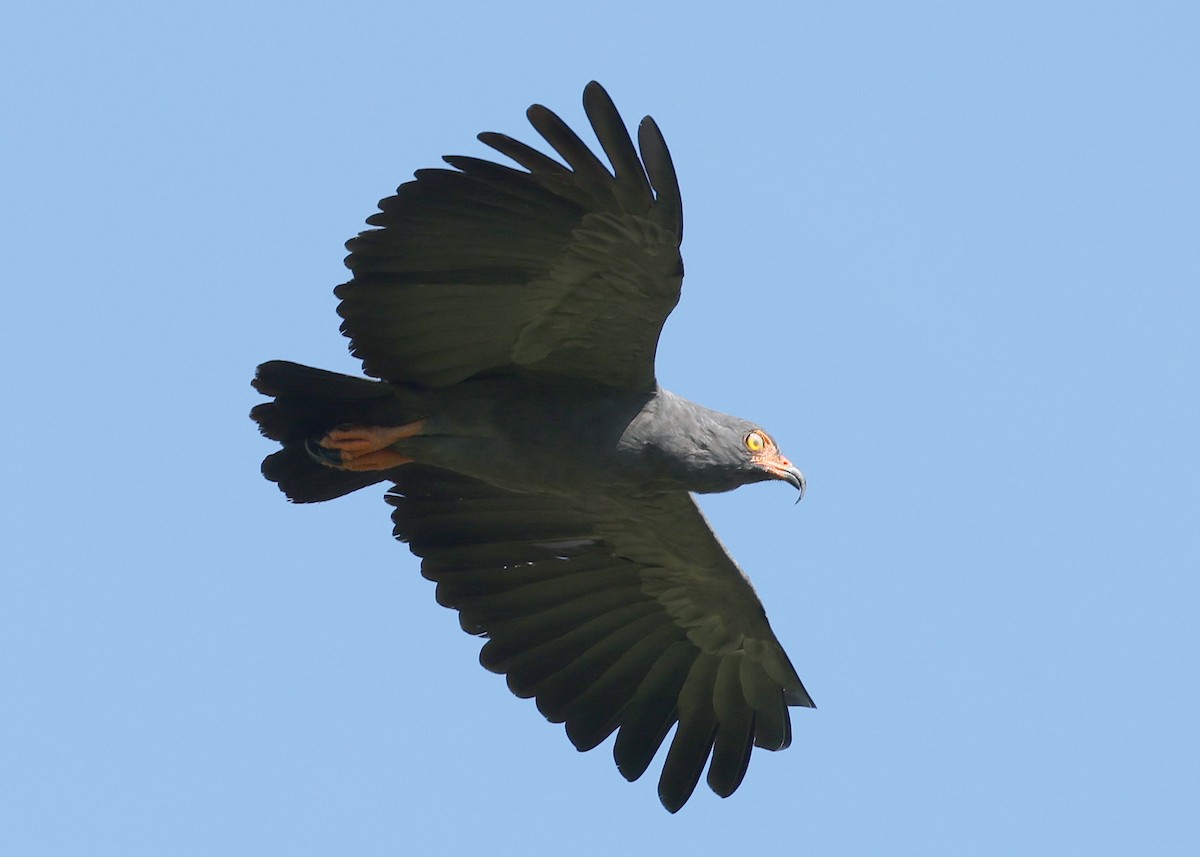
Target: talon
(322, 455)
(350, 447)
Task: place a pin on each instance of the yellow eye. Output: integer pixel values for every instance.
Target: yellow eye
(755, 441)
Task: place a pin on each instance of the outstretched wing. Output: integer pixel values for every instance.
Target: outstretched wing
(622, 615)
(548, 271)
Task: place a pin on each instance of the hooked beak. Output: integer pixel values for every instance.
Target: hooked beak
(792, 475)
(780, 468)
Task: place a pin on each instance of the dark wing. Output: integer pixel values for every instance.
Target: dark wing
(622, 615)
(553, 271)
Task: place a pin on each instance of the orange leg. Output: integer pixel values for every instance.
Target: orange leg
(366, 447)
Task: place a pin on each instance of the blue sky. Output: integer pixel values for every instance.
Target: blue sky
(946, 253)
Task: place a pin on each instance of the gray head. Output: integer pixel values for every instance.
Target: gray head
(706, 451)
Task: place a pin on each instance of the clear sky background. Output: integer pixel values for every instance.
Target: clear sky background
(947, 253)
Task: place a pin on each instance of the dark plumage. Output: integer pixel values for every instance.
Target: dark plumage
(538, 469)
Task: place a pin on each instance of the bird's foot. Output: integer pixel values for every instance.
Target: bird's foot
(352, 447)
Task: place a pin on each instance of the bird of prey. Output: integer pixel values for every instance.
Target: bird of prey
(544, 478)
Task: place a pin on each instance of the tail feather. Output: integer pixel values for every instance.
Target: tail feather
(303, 480)
(308, 403)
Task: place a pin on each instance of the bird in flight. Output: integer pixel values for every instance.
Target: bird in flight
(544, 478)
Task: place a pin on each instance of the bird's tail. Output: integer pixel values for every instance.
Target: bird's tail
(308, 403)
